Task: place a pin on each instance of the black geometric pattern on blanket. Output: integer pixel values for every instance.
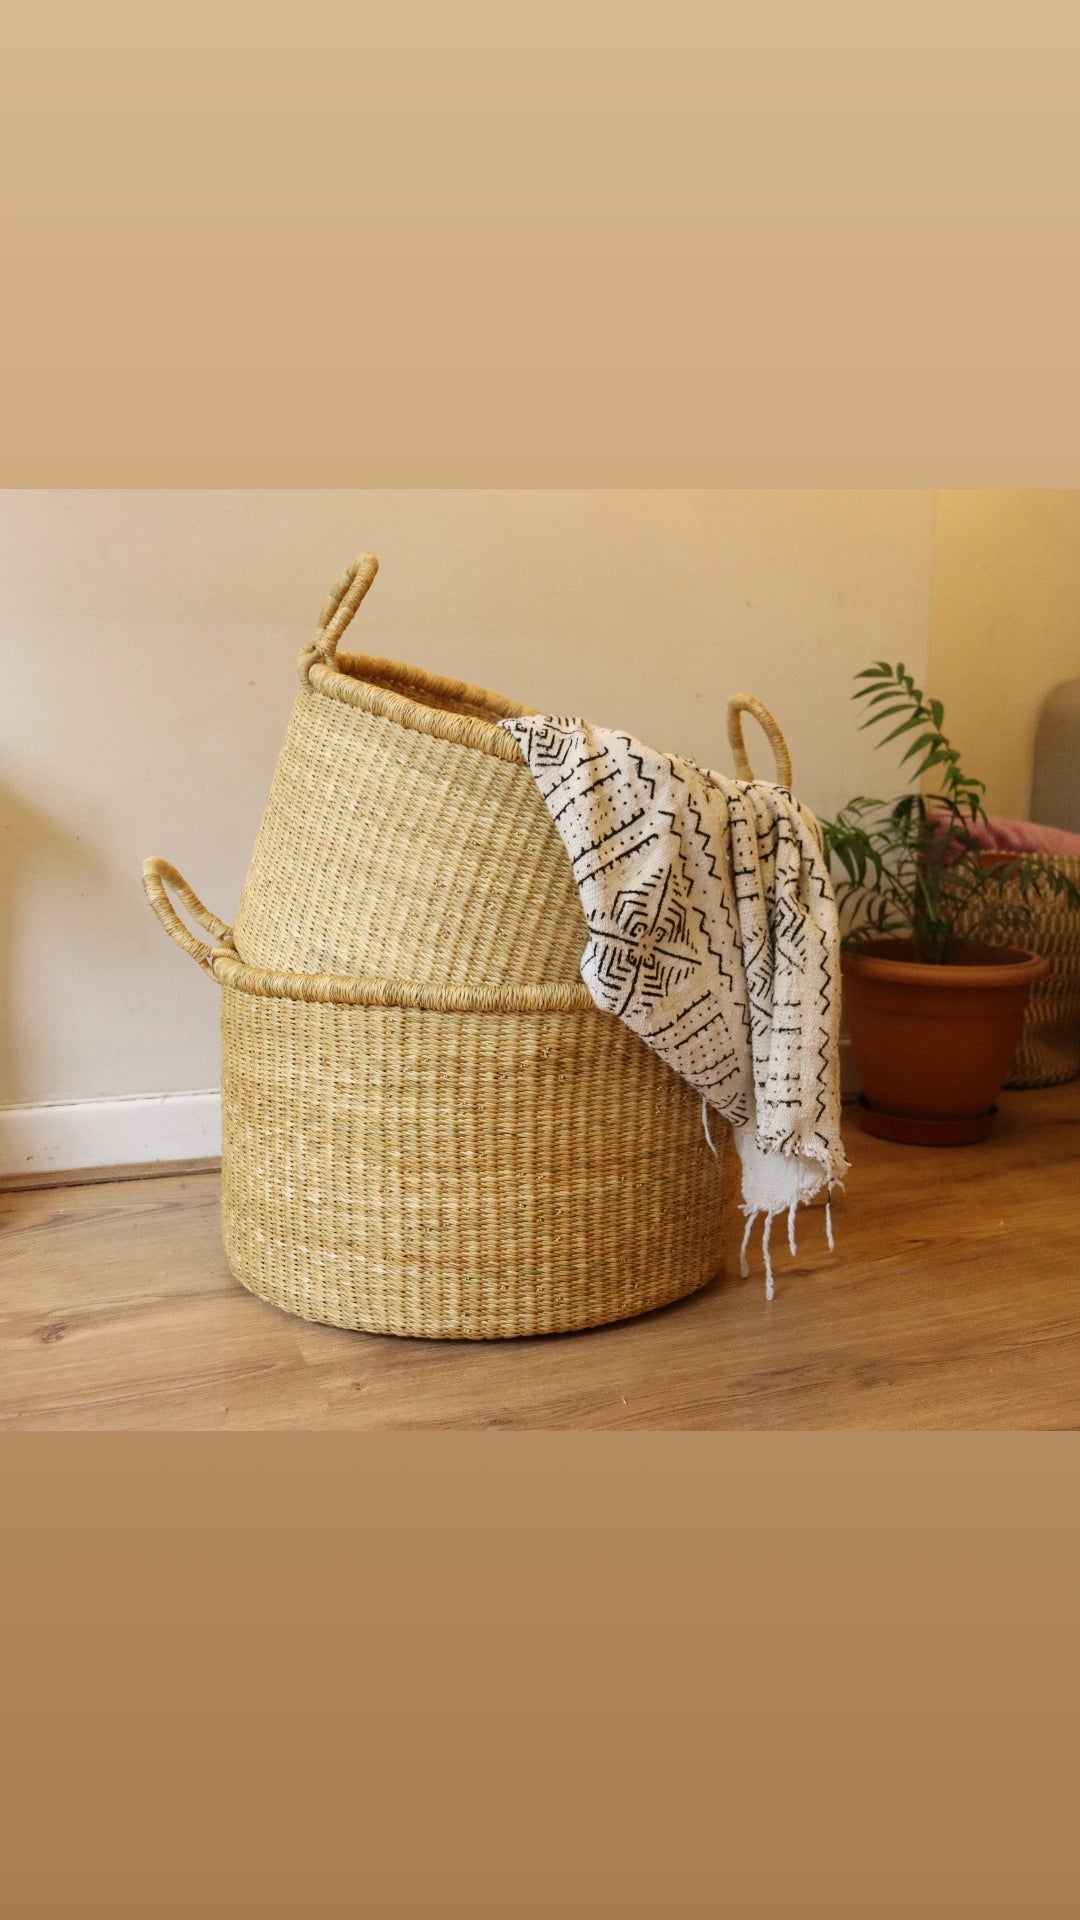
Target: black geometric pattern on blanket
(711, 924)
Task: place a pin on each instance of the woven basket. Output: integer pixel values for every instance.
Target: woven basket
(404, 836)
(1048, 1051)
(450, 1162)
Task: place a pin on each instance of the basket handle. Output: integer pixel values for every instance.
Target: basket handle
(746, 703)
(157, 876)
(341, 603)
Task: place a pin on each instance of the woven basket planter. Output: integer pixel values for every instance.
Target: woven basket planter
(1048, 1051)
(449, 1162)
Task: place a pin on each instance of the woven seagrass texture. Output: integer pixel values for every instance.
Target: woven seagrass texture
(449, 1161)
(460, 1175)
(403, 834)
(1048, 1051)
(387, 850)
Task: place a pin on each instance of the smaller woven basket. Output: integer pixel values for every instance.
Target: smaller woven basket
(404, 836)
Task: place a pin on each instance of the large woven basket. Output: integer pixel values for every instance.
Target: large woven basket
(461, 1163)
(1048, 1051)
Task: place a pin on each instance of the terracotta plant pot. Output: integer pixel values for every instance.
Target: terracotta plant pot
(933, 1044)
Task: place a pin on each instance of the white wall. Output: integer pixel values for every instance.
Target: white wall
(149, 645)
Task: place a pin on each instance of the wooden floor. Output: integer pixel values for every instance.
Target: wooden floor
(952, 1300)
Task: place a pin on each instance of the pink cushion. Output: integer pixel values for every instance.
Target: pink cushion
(1024, 836)
(999, 835)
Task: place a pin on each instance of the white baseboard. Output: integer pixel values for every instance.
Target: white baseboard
(130, 1131)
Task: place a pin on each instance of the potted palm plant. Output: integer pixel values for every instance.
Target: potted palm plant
(935, 977)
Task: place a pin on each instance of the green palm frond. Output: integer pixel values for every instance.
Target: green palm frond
(911, 867)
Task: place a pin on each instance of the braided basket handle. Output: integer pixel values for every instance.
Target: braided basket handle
(341, 603)
(157, 877)
(746, 703)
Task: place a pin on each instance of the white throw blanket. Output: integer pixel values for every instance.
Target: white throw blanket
(713, 933)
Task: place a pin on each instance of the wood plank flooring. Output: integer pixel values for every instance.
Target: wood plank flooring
(952, 1301)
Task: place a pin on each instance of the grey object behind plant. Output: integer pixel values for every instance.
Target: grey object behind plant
(1055, 781)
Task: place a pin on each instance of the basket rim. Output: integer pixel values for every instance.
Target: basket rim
(220, 959)
(394, 690)
(356, 990)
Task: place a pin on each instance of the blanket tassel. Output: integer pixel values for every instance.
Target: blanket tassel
(744, 1264)
(769, 1218)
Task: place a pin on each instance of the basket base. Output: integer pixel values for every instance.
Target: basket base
(575, 1319)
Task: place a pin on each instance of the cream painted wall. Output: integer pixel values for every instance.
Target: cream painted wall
(150, 640)
(1005, 625)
